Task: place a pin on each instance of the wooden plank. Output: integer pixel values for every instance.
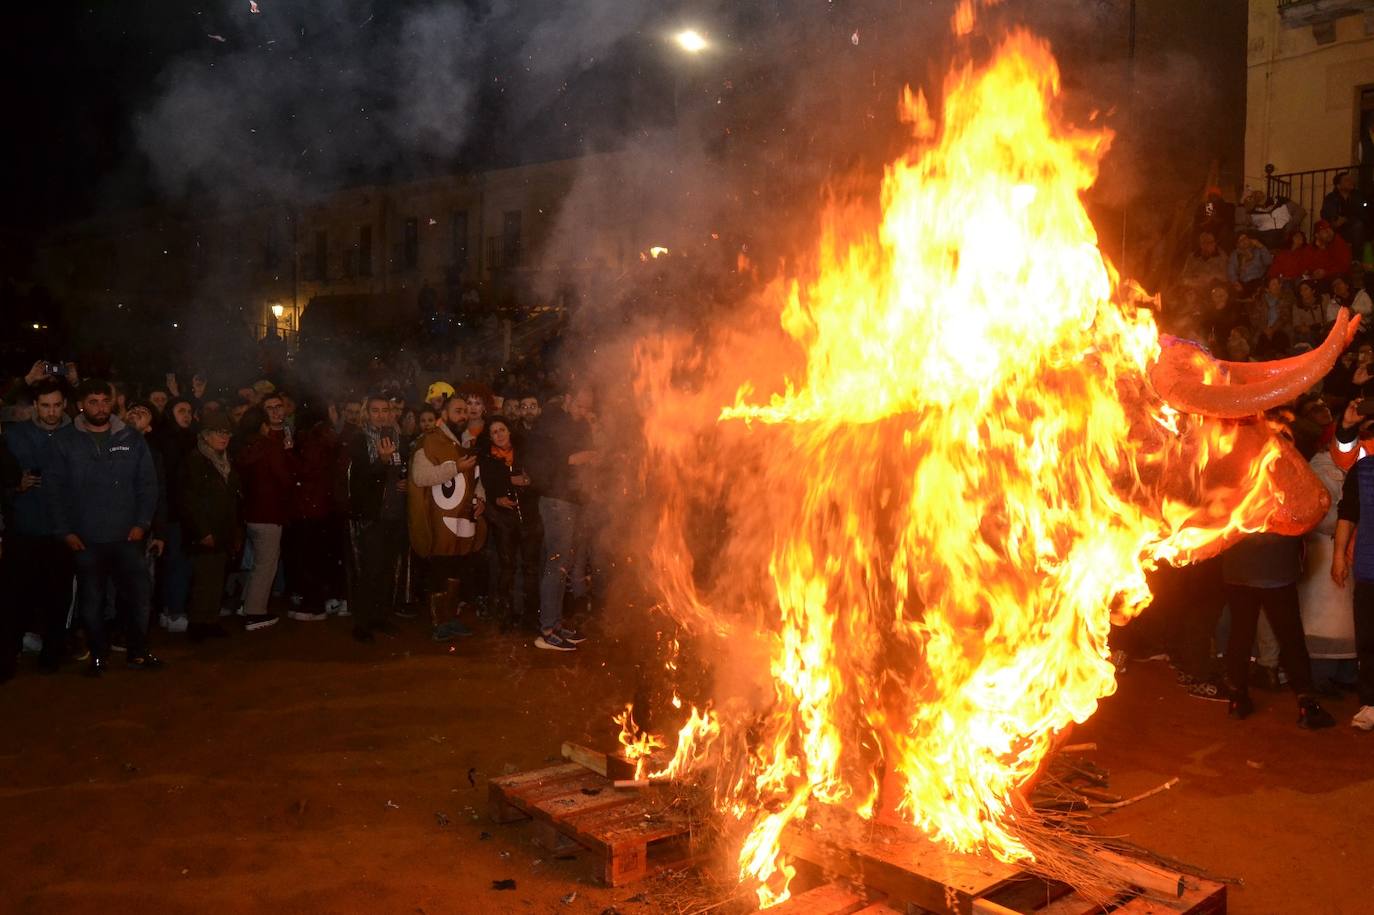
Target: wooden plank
(607, 764)
(627, 825)
(515, 780)
(908, 867)
(1072, 904)
(551, 795)
(1200, 897)
(826, 899)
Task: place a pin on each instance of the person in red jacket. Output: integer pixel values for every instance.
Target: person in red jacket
(314, 534)
(268, 487)
(1329, 254)
(1291, 262)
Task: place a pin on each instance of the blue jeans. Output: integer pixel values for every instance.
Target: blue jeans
(560, 558)
(122, 564)
(175, 580)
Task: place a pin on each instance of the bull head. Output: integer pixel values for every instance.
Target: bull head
(1236, 393)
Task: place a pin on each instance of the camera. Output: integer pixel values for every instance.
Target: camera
(55, 368)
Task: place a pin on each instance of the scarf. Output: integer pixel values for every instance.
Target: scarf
(218, 459)
(374, 439)
(505, 454)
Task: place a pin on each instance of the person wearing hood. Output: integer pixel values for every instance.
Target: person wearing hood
(101, 492)
(173, 441)
(41, 562)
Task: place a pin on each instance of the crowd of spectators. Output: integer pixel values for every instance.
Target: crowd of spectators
(1278, 611)
(203, 507)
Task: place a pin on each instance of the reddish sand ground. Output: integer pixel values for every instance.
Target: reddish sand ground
(294, 770)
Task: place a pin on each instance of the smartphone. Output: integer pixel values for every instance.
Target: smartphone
(54, 368)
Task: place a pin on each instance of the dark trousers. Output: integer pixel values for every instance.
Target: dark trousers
(120, 563)
(1280, 606)
(514, 543)
(380, 547)
(1364, 638)
(311, 548)
(40, 572)
(208, 571)
(1187, 606)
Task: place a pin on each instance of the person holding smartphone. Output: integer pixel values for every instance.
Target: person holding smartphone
(377, 460)
(42, 560)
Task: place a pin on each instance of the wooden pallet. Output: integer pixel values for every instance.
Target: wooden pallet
(909, 872)
(628, 829)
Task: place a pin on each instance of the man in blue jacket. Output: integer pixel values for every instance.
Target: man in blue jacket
(102, 491)
(42, 562)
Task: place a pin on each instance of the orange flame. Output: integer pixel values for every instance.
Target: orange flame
(953, 491)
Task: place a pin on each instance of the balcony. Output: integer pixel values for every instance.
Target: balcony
(1321, 14)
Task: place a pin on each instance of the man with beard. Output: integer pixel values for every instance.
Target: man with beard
(377, 503)
(101, 488)
(41, 561)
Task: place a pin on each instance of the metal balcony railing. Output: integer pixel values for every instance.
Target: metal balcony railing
(1307, 189)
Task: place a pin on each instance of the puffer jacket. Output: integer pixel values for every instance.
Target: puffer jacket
(99, 493)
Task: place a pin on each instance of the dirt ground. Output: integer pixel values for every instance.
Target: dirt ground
(295, 770)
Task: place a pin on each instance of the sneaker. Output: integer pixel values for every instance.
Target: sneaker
(1210, 690)
(1238, 705)
(176, 624)
(240, 611)
(306, 616)
(118, 646)
(571, 635)
(143, 662)
(33, 643)
(386, 627)
(552, 641)
(336, 607)
(363, 634)
(1312, 716)
(256, 621)
(406, 613)
(297, 600)
(226, 611)
(1364, 718)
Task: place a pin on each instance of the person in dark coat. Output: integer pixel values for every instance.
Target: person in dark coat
(211, 497)
(513, 517)
(313, 536)
(173, 439)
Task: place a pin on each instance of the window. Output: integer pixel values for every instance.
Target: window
(321, 255)
(510, 238)
(458, 252)
(411, 245)
(365, 250)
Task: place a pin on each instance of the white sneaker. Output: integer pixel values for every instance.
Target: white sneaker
(336, 607)
(176, 624)
(1364, 718)
(306, 616)
(33, 643)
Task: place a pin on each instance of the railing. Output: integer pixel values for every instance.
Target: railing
(1307, 189)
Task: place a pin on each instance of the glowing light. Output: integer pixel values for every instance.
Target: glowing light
(278, 311)
(691, 41)
(657, 251)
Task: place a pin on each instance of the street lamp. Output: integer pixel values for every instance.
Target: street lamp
(278, 311)
(691, 41)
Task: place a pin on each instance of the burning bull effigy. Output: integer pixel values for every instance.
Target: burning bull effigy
(898, 506)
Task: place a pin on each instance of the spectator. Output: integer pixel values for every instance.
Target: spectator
(529, 412)
(11, 622)
(1248, 265)
(313, 536)
(173, 440)
(376, 496)
(1206, 263)
(211, 498)
(1221, 316)
(1309, 315)
(1346, 210)
(101, 489)
(1329, 255)
(1216, 216)
(477, 410)
(1273, 316)
(1360, 302)
(1291, 261)
(268, 487)
(1272, 218)
(513, 518)
(446, 505)
(1262, 571)
(40, 561)
(158, 398)
(1328, 610)
(561, 446)
(428, 418)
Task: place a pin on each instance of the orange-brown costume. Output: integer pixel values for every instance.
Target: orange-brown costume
(440, 514)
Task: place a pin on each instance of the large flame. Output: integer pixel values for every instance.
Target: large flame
(926, 531)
